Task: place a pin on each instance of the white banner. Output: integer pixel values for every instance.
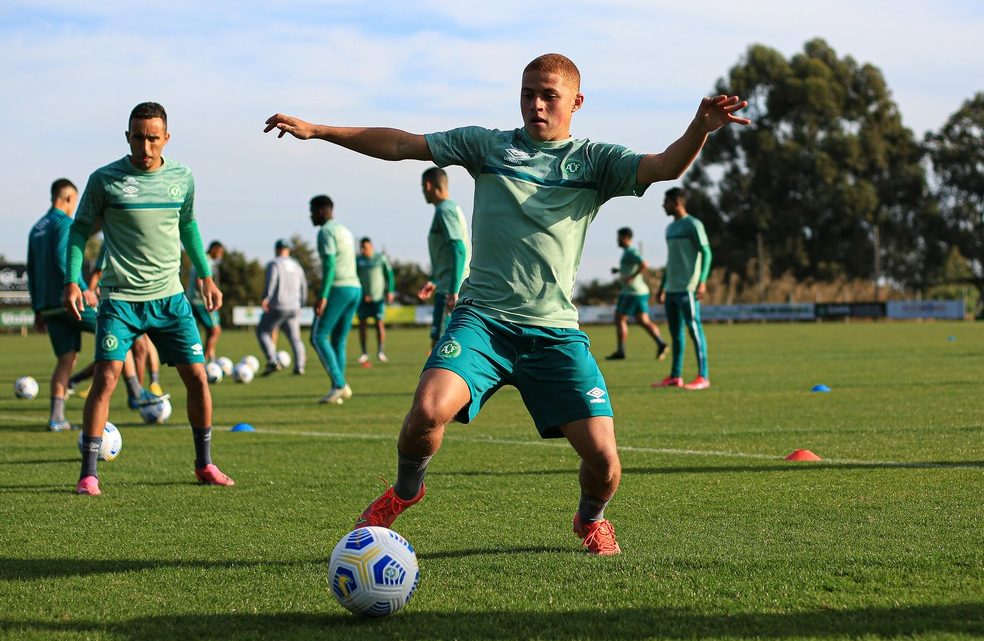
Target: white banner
(941, 309)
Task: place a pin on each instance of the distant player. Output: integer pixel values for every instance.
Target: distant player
(378, 290)
(449, 247)
(45, 274)
(284, 293)
(144, 205)
(684, 284)
(208, 319)
(536, 191)
(339, 296)
(633, 300)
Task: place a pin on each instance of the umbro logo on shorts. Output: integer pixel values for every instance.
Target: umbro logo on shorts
(196, 348)
(596, 395)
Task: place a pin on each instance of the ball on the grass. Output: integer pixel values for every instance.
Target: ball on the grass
(214, 372)
(156, 413)
(26, 387)
(226, 364)
(243, 373)
(252, 361)
(111, 445)
(373, 571)
(283, 357)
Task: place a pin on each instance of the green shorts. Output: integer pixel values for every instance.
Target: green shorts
(202, 315)
(373, 309)
(632, 304)
(552, 368)
(65, 332)
(167, 321)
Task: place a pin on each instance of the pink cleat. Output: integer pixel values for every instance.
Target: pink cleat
(669, 381)
(88, 485)
(384, 510)
(598, 536)
(212, 475)
(698, 383)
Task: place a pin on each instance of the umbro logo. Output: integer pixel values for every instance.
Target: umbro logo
(596, 395)
(516, 156)
(196, 348)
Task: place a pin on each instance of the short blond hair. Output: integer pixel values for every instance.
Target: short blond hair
(558, 64)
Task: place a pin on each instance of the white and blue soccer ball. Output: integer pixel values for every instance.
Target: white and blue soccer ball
(226, 364)
(156, 413)
(283, 357)
(243, 373)
(214, 372)
(252, 361)
(373, 571)
(111, 445)
(26, 387)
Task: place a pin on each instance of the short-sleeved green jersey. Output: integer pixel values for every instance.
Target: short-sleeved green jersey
(46, 250)
(139, 213)
(684, 238)
(448, 225)
(533, 204)
(631, 259)
(334, 239)
(375, 275)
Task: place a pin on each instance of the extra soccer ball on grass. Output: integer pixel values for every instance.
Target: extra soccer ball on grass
(156, 413)
(214, 372)
(26, 387)
(111, 445)
(283, 357)
(252, 361)
(243, 373)
(226, 364)
(373, 571)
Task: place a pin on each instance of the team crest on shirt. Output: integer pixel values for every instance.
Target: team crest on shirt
(450, 349)
(174, 191)
(516, 156)
(572, 166)
(110, 342)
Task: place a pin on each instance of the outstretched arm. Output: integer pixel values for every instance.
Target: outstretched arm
(712, 114)
(378, 142)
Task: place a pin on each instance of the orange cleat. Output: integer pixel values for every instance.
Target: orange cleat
(384, 510)
(669, 381)
(212, 475)
(598, 536)
(698, 383)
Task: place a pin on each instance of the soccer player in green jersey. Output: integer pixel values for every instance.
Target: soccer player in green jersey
(378, 290)
(208, 319)
(45, 275)
(536, 191)
(449, 247)
(339, 296)
(633, 300)
(144, 204)
(684, 285)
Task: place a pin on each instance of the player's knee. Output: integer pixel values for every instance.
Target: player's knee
(428, 413)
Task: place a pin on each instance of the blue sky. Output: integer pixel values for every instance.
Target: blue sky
(72, 71)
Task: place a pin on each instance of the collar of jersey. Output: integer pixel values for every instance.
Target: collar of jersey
(543, 144)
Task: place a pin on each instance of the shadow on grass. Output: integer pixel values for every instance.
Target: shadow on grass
(965, 619)
(43, 569)
(460, 554)
(41, 461)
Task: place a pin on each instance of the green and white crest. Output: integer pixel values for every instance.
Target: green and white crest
(449, 349)
(572, 166)
(110, 342)
(174, 191)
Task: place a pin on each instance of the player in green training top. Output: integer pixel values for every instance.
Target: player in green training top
(378, 290)
(449, 247)
(144, 205)
(209, 319)
(45, 275)
(633, 300)
(684, 283)
(339, 296)
(536, 191)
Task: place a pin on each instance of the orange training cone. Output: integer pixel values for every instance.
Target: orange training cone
(803, 455)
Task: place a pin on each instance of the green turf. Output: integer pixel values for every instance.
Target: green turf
(721, 537)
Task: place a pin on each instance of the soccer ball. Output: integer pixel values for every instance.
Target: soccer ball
(243, 373)
(157, 412)
(26, 387)
(252, 361)
(111, 445)
(226, 364)
(283, 357)
(373, 571)
(214, 372)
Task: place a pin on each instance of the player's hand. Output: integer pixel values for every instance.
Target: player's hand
(452, 301)
(90, 298)
(701, 290)
(390, 297)
(319, 307)
(265, 305)
(73, 301)
(718, 111)
(367, 298)
(661, 297)
(211, 295)
(289, 125)
(426, 291)
(39, 325)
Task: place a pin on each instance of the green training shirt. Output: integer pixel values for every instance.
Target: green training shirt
(145, 216)
(449, 225)
(631, 259)
(46, 251)
(375, 275)
(533, 204)
(685, 240)
(334, 239)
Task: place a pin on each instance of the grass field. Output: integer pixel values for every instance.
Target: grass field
(721, 537)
